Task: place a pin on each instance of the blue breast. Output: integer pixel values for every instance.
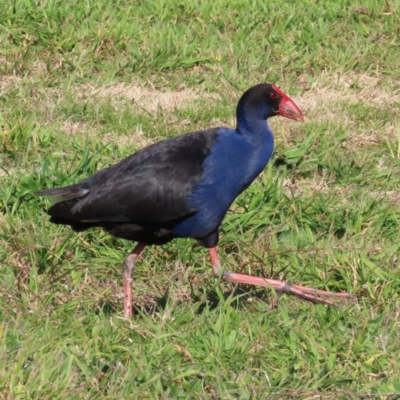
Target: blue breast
(236, 159)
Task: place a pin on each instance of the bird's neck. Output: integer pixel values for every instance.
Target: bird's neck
(253, 126)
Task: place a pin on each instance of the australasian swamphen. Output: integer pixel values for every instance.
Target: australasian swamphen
(183, 187)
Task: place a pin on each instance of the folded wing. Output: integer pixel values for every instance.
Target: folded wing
(149, 187)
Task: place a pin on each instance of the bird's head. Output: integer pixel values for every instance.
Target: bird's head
(264, 101)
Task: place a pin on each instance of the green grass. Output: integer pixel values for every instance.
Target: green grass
(324, 213)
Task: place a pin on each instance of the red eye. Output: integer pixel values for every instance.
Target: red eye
(272, 95)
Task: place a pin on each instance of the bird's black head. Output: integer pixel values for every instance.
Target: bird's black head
(265, 100)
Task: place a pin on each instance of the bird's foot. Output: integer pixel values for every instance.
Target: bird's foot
(302, 292)
(308, 293)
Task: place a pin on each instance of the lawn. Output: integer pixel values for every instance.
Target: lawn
(85, 83)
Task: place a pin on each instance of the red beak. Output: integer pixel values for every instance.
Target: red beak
(288, 108)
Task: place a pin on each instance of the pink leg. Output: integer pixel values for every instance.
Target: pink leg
(127, 268)
(303, 292)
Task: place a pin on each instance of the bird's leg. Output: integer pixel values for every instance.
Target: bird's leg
(127, 268)
(303, 292)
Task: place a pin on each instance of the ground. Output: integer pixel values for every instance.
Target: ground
(84, 84)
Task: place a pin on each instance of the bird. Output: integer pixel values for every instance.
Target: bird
(182, 187)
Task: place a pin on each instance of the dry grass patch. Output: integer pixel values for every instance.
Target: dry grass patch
(391, 196)
(352, 88)
(318, 184)
(7, 81)
(72, 128)
(136, 139)
(329, 101)
(326, 100)
(150, 100)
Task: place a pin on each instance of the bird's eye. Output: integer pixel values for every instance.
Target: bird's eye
(272, 95)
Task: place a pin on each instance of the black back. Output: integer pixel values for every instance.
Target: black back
(148, 188)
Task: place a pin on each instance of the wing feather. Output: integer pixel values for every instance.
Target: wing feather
(151, 186)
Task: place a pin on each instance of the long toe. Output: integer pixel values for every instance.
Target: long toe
(317, 292)
(313, 295)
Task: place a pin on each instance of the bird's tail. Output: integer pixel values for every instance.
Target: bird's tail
(58, 195)
(63, 200)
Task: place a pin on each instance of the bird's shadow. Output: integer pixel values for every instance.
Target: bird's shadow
(211, 300)
(238, 297)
